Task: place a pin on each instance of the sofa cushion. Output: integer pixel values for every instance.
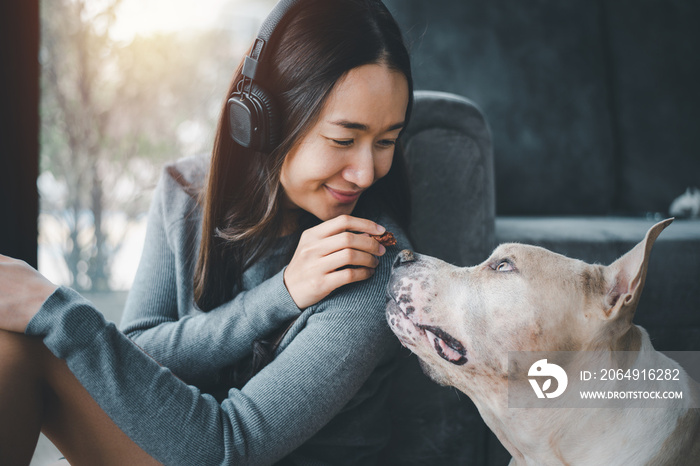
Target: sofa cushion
(670, 306)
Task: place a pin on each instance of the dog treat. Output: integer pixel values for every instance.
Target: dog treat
(387, 239)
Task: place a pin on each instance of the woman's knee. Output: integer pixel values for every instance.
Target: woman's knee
(21, 354)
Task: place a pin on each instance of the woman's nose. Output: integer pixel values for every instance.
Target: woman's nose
(360, 170)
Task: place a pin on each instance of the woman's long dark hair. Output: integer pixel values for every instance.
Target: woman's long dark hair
(316, 44)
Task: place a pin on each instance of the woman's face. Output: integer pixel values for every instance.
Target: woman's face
(351, 146)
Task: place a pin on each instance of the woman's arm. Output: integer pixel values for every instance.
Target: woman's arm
(159, 314)
(344, 339)
(195, 345)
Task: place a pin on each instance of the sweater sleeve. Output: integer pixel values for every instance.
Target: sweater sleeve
(344, 339)
(193, 344)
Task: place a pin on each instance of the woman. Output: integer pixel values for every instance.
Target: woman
(273, 239)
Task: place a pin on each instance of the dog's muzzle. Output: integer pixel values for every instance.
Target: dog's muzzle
(401, 314)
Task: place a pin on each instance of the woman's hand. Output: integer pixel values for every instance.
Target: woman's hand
(330, 255)
(22, 292)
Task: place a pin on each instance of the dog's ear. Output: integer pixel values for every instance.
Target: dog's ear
(625, 277)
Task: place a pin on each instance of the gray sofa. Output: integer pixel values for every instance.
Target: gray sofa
(451, 169)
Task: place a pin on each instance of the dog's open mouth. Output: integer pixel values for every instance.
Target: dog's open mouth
(446, 346)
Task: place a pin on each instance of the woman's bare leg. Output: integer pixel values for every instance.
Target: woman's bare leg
(39, 392)
(21, 405)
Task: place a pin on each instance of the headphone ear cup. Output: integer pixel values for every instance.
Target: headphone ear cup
(254, 121)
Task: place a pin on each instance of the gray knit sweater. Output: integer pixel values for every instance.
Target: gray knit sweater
(320, 401)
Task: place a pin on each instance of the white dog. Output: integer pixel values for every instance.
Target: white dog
(462, 322)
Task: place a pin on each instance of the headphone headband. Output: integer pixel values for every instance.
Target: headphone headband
(268, 26)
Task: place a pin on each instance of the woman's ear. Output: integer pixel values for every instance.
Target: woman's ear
(625, 277)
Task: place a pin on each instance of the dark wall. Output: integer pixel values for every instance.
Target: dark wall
(655, 49)
(593, 105)
(19, 128)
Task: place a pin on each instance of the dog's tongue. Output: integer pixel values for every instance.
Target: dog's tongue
(441, 347)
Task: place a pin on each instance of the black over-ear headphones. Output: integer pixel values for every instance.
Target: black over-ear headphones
(254, 120)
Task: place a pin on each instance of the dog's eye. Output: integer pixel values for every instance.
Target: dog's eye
(504, 266)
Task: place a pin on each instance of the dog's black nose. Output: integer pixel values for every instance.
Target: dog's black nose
(404, 257)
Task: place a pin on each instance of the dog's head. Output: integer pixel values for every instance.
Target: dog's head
(461, 322)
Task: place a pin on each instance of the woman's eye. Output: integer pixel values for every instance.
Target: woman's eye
(504, 266)
(387, 142)
(343, 142)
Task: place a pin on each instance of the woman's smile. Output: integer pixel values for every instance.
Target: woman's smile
(344, 197)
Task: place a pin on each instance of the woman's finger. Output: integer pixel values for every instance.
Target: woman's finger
(348, 258)
(343, 223)
(349, 240)
(346, 276)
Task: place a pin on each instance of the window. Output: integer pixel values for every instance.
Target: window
(126, 85)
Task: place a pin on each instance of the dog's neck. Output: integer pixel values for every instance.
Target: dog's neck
(630, 339)
(536, 436)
